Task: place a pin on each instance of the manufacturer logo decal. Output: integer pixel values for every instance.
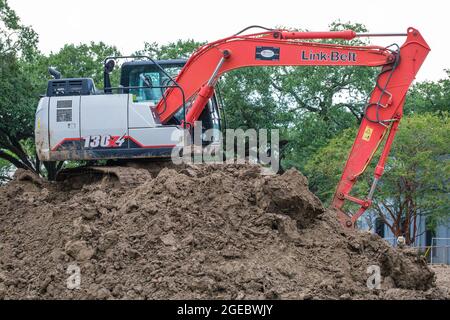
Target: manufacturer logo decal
(267, 53)
(332, 56)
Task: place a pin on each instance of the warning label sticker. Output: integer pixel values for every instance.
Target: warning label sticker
(367, 133)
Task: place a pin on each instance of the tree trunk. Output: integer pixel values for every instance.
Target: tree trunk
(52, 169)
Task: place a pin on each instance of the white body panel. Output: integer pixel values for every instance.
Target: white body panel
(104, 115)
(64, 116)
(162, 137)
(41, 129)
(141, 115)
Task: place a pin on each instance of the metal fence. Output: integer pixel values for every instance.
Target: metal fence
(437, 253)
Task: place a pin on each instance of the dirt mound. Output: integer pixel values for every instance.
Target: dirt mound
(192, 232)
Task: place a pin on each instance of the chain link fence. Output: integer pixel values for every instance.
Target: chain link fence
(436, 253)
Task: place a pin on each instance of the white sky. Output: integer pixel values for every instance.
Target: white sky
(128, 23)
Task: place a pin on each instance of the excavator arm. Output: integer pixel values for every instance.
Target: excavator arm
(285, 48)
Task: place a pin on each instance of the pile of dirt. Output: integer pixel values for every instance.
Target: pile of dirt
(442, 272)
(192, 232)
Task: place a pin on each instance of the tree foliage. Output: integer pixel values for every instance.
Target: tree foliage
(76, 61)
(17, 44)
(5, 169)
(415, 182)
(16, 39)
(181, 49)
(429, 96)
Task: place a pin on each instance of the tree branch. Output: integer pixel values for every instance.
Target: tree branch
(16, 162)
(385, 221)
(15, 147)
(297, 99)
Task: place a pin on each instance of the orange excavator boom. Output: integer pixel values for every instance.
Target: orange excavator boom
(399, 66)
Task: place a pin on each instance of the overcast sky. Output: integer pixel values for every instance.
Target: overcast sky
(128, 23)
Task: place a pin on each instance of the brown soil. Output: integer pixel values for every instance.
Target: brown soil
(442, 277)
(192, 232)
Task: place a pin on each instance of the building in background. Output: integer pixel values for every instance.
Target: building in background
(435, 244)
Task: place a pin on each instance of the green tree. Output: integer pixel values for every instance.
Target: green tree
(17, 98)
(415, 182)
(16, 39)
(181, 49)
(5, 169)
(429, 96)
(23, 76)
(79, 61)
(310, 133)
(250, 101)
(321, 90)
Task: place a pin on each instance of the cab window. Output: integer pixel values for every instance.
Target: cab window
(155, 77)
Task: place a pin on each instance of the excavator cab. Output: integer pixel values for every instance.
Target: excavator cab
(144, 78)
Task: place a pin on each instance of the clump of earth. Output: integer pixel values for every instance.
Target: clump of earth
(192, 232)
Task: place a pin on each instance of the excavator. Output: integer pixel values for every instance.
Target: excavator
(156, 101)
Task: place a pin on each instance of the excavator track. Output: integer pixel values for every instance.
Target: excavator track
(124, 174)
